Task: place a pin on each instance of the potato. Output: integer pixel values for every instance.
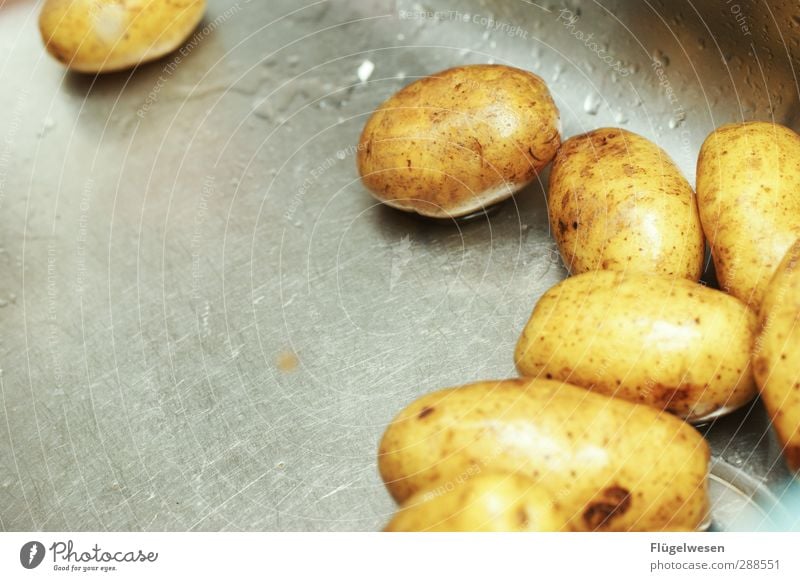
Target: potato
(95, 36)
(748, 190)
(608, 463)
(490, 502)
(458, 141)
(670, 343)
(776, 357)
(618, 202)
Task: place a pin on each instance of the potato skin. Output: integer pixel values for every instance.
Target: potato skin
(94, 36)
(491, 502)
(670, 343)
(611, 464)
(457, 141)
(748, 191)
(618, 202)
(776, 357)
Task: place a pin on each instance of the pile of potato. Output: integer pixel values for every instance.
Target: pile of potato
(616, 359)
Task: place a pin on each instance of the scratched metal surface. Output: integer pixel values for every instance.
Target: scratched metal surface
(206, 323)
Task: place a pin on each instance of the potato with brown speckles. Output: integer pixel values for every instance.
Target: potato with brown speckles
(611, 464)
(776, 358)
(97, 36)
(456, 142)
(748, 191)
(489, 502)
(618, 202)
(670, 343)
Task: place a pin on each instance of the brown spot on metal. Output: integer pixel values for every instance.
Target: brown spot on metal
(287, 361)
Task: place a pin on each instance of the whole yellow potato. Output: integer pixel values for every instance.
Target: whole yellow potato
(670, 343)
(608, 463)
(491, 502)
(776, 357)
(748, 190)
(618, 202)
(458, 141)
(93, 36)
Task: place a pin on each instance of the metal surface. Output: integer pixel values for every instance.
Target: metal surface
(207, 322)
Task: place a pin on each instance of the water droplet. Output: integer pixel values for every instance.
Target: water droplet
(660, 56)
(591, 104)
(365, 70)
(401, 36)
(340, 154)
(557, 73)
(620, 118)
(493, 45)
(677, 120)
(263, 108)
(47, 124)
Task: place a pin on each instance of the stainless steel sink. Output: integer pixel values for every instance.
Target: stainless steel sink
(207, 322)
